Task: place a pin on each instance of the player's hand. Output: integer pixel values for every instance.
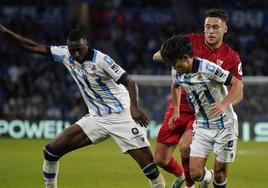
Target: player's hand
(171, 120)
(216, 109)
(139, 117)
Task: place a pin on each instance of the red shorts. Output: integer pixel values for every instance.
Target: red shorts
(173, 136)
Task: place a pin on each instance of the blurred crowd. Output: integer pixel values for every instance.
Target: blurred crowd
(32, 87)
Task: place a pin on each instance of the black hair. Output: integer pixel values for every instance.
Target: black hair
(176, 47)
(218, 13)
(75, 35)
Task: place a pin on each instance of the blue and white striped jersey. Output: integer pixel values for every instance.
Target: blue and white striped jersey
(205, 85)
(98, 80)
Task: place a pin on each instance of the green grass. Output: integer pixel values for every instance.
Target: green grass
(103, 165)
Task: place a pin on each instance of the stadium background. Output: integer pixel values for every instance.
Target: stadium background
(38, 98)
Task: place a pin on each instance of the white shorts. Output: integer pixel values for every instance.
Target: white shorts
(222, 142)
(121, 127)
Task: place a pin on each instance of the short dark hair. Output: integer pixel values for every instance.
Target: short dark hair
(218, 13)
(75, 35)
(176, 47)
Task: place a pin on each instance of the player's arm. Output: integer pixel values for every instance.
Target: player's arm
(157, 57)
(24, 42)
(121, 77)
(176, 99)
(234, 95)
(240, 96)
(236, 70)
(136, 113)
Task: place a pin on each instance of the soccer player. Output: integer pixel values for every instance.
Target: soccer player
(215, 125)
(113, 109)
(209, 46)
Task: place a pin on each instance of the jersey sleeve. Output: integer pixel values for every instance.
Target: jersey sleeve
(236, 66)
(218, 74)
(113, 69)
(57, 53)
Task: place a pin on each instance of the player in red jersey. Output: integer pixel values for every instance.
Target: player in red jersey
(173, 132)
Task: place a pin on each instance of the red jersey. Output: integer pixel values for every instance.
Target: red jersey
(223, 56)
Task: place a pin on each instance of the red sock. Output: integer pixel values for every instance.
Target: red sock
(173, 167)
(185, 163)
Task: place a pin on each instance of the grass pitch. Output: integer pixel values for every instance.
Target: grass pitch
(103, 165)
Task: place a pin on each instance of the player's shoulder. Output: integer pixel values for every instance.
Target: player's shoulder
(58, 53)
(205, 65)
(103, 59)
(230, 52)
(98, 57)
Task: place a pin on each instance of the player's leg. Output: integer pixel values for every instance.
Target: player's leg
(132, 139)
(167, 141)
(199, 172)
(201, 147)
(184, 146)
(163, 158)
(220, 174)
(143, 156)
(70, 139)
(225, 151)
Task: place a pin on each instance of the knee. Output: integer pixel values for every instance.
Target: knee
(50, 154)
(161, 161)
(196, 174)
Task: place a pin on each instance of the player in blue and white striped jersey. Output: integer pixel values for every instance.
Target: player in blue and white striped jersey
(113, 109)
(215, 126)
(202, 92)
(98, 79)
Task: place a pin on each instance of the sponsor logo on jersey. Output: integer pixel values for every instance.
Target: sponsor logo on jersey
(230, 143)
(115, 68)
(199, 87)
(218, 72)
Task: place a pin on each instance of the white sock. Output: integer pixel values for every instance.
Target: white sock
(182, 177)
(159, 182)
(219, 184)
(193, 186)
(207, 176)
(50, 170)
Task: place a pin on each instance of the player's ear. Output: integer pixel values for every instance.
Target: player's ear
(226, 28)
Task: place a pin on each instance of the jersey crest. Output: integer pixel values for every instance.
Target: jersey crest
(219, 62)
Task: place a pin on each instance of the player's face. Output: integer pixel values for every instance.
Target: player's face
(214, 29)
(182, 65)
(78, 49)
